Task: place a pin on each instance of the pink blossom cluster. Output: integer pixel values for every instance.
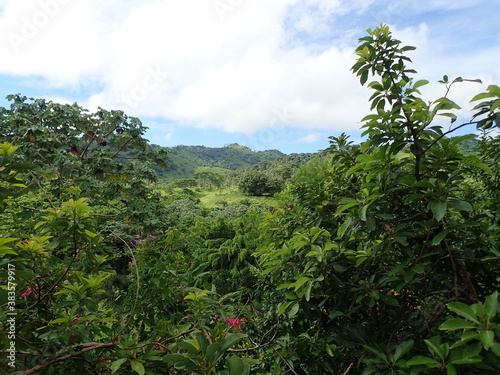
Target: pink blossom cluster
(236, 323)
(30, 290)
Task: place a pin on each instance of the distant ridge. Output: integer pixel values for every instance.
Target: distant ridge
(185, 160)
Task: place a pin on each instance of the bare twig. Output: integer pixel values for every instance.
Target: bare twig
(349, 369)
(284, 360)
(127, 317)
(257, 346)
(42, 189)
(85, 348)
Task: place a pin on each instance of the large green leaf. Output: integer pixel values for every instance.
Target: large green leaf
(231, 340)
(491, 306)
(115, 366)
(422, 360)
(137, 367)
(282, 308)
(487, 338)
(439, 350)
(438, 208)
(237, 366)
(463, 310)
(402, 349)
(456, 323)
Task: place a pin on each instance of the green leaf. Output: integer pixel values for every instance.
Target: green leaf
(438, 208)
(450, 369)
(237, 366)
(343, 228)
(496, 349)
(213, 353)
(59, 321)
(282, 308)
(487, 338)
(490, 306)
(402, 349)
(439, 350)
(230, 340)
(439, 237)
(189, 347)
(445, 103)
(301, 281)
(389, 300)
(376, 350)
(463, 310)
(456, 323)
(483, 95)
(293, 311)
(421, 360)
(460, 205)
(115, 366)
(420, 83)
(468, 355)
(137, 366)
(364, 77)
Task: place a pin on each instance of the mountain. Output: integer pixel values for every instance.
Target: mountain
(185, 160)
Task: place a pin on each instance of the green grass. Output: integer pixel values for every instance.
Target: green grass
(218, 197)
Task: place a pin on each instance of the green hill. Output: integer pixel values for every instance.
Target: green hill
(186, 160)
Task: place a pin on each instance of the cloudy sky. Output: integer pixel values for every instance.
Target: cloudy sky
(268, 74)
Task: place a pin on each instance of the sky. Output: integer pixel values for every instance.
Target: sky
(267, 74)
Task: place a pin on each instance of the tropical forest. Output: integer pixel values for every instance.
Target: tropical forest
(382, 256)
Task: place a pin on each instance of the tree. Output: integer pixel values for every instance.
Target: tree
(75, 146)
(102, 155)
(258, 183)
(397, 235)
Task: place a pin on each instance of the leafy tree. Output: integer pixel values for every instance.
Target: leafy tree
(101, 155)
(390, 236)
(258, 183)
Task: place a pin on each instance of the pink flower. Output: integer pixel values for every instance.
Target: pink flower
(30, 290)
(216, 316)
(236, 322)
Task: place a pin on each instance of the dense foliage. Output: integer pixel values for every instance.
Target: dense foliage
(187, 160)
(380, 258)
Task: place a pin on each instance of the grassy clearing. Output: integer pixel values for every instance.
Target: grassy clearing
(214, 198)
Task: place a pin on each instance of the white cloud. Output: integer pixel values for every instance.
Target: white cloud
(249, 66)
(310, 138)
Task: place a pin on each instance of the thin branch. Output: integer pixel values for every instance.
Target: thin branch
(259, 345)
(85, 348)
(349, 369)
(42, 189)
(448, 132)
(284, 360)
(129, 315)
(47, 294)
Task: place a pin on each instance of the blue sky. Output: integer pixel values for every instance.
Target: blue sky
(268, 74)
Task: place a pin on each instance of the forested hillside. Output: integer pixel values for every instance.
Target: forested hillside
(373, 258)
(184, 161)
